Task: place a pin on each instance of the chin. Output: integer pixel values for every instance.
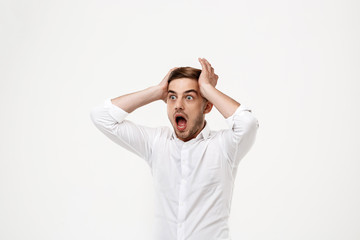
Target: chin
(181, 135)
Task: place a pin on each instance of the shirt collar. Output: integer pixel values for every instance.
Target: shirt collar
(204, 134)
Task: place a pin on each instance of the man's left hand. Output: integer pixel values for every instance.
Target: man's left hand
(207, 75)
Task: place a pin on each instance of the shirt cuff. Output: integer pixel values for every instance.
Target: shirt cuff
(116, 112)
(241, 108)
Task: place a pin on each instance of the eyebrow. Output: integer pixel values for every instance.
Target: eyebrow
(188, 91)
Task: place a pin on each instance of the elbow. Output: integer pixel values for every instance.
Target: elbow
(250, 128)
(94, 115)
(98, 117)
(253, 123)
(246, 126)
(101, 118)
(250, 122)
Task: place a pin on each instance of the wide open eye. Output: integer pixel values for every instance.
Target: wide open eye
(189, 97)
(172, 97)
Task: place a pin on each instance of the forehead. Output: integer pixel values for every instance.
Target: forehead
(183, 84)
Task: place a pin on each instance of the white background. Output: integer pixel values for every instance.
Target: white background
(295, 63)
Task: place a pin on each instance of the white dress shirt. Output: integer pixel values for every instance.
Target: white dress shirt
(193, 180)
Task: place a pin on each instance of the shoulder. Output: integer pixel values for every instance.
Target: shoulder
(217, 135)
(220, 138)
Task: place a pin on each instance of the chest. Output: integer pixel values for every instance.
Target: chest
(198, 164)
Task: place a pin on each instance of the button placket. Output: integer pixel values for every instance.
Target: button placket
(182, 196)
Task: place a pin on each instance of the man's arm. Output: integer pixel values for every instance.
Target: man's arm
(207, 82)
(109, 118)
(132, 101)
(236, 141)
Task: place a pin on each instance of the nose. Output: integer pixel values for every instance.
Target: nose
(179, 104)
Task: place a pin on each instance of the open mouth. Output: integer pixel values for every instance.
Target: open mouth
(180, 122)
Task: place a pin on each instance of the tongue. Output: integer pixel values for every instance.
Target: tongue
(182, 123)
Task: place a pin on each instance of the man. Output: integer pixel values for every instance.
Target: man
(193, 168)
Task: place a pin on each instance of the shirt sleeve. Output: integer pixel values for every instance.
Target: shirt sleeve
(240, 136)
(110, 120)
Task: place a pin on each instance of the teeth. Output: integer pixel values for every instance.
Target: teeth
(181, 127)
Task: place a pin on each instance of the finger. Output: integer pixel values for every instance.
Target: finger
(212, 71)
(208, 65)
(173, 69)
(203, 65)
(165, 79)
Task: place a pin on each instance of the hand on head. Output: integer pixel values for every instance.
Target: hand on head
(164, 84)
(207, 75)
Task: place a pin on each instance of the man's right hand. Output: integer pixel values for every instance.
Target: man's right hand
(164, 85)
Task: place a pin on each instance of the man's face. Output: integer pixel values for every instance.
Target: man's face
(186, 108)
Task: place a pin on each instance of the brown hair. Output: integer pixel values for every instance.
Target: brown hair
(185, 72)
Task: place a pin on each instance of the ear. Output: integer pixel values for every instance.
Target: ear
(208, 107)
